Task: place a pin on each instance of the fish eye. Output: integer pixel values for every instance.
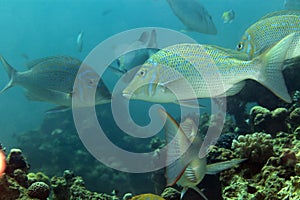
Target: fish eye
(142, 73)
(92, 82)
(240, 46)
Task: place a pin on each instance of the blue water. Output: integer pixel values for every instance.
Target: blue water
(38, 28)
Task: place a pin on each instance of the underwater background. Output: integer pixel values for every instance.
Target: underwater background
(34, 29)
(39, 28)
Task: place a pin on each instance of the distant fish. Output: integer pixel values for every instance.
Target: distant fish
(292, 4)
(267, 32)
(228, 16)
(193, 15)
(106, 12)
(25, 56)
(184, 166)
(79, 41)
(136, 53)
(51, 79)
(2, 163)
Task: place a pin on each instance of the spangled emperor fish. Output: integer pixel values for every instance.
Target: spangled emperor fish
(187, 71)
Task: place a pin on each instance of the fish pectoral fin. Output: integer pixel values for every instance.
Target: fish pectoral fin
(58, 109)
(33, 97)
(61, 95)
(220, 166)
(181, 88)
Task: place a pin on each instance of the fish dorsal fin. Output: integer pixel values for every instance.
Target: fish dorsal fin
(144, 37)
(178, 144)
(54, 60)
(220, 166)
(271, 72)
(152, 43)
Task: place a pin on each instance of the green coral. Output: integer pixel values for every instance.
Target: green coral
(264, 120)
(271, 171)
(257, 147)
(72, 187)
(38, 177)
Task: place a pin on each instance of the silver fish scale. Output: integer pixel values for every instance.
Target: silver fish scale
(53, 78)
(208, 70)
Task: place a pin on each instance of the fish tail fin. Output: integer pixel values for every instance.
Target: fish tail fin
(273, 63)
(220, 166)
(11, 72)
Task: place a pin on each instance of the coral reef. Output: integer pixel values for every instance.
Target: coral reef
(268, 136)
(62, 143)
(261, 119)
(272, 168)
(21, 185)
(72, 187)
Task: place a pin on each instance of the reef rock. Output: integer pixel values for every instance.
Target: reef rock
(16, 160)
(39, 190)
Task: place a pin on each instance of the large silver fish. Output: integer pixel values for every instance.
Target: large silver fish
(51, 79)
(187, 71)
(268, 31)
(193, 15)
(189, 170)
